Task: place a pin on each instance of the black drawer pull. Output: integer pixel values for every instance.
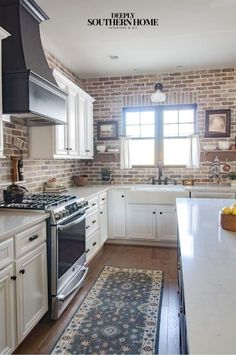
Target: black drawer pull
(94, 221)
(154, 212)
(87, 227)
(33, 237)
(122, 196)
(22, 271)
(103, 199)
(93, 204)
(87, 251)
(94, 243)
(13, 278)
(87, 150)
(160, 212)
(101, 212)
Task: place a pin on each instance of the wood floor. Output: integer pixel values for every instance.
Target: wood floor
(44, 336)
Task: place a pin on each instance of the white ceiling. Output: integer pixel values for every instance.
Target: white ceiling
(192, 34)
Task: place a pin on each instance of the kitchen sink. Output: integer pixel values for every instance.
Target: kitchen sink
(157, 188)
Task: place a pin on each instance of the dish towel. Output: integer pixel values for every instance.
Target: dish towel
(125, 161)
(193, 152)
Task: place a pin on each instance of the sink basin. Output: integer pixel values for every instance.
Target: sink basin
(158, 188)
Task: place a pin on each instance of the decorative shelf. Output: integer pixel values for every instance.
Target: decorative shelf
(209, 155)
(107, 157)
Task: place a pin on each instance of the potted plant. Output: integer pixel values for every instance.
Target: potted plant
(106, 174)
(232, 177)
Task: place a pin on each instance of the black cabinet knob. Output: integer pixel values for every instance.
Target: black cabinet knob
(160, 212)
(122, 196)
(154, 212)
(101, 212)
(87, 251)
(87, 227)
(94, 243)
(94, 221)
(13, 278)
(22, 271)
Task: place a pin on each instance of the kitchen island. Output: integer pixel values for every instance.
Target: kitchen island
(207, 278)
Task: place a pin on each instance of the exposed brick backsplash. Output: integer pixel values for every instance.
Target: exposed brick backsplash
(210, 89)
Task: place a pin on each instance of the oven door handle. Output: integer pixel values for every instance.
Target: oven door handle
(63, 297)
(65, 226)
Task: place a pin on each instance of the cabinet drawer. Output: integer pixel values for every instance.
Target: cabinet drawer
(92, 245)
(103, 198)
(27, 240)
(92, 223)
(93, 203)
(6, 252)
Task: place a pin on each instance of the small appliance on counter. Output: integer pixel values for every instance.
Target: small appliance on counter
(14, 194)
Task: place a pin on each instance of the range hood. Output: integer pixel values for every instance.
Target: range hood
(30, 91)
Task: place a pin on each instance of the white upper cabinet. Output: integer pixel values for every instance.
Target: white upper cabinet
(73, 140)
(3, 34)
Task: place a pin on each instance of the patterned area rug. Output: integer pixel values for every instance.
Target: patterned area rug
(120, 315)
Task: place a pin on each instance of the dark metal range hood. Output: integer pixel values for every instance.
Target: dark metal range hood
(30, 91)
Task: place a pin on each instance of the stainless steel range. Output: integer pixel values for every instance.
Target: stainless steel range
(66, 244)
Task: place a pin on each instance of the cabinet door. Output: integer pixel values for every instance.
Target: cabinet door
(116, 214)
(7, 311)
(141, 222)
(60, 131)
(32, 295)
(72, 129)
(167, 223)
(81, 99)
(89, 129)
(103, 223)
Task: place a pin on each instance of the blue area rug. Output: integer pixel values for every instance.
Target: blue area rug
(120, 315)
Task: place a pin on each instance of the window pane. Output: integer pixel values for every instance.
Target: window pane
(148, 131)
(170, 116)
(186, 129)
(132, 117)
(142, 151)
(148, 117)
(133, 131)
(170, 130)
(186, 116)
(175, 152)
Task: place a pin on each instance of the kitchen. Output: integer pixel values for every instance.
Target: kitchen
(126, 209)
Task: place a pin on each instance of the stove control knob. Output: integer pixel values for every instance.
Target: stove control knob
(57, 216)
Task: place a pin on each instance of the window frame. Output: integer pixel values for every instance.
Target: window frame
(159, 137)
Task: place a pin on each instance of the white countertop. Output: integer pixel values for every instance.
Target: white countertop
(12, 222)
(208, 255)
(88, 191)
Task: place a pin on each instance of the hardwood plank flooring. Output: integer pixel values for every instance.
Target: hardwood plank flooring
(44, 336)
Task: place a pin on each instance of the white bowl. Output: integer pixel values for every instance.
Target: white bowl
(223, 145)
(101, 148)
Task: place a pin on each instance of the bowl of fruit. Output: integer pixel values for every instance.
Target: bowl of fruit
(228, 218)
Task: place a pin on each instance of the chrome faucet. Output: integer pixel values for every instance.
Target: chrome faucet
(159, 172)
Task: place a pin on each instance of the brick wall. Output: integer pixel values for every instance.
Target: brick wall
(210, 89)
(16, 144)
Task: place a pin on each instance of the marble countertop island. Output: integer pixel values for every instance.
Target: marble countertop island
(208, 255)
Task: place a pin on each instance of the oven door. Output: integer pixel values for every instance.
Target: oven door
(68, 251)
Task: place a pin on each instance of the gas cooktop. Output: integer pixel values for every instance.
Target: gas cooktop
(39, 202)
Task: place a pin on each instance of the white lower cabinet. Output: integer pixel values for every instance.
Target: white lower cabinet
(166, 223)
(141, 222)
(32, 292)
(116, 214)
(7, 310)
(23, 285)
(103, 223)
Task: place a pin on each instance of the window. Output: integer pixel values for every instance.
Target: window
(159, 133)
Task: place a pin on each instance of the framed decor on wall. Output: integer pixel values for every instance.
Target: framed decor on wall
(217, 123)
(107, 130)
